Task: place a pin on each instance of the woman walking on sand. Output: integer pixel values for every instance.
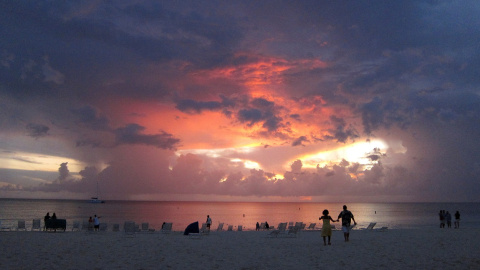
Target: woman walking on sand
(326, 228)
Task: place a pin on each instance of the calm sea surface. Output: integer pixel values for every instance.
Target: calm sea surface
(392, 215)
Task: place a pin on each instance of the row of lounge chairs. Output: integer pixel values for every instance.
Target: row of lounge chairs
(86, 226)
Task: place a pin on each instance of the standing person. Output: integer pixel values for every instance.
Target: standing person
(90, 224)
(96, 223)
(209, 222)
(457, 220)
(257, 226)
(442, 219)
(326, 228)
(448, 218)
(47, 217)
(347, 218)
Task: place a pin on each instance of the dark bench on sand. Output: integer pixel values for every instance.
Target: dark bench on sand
(54, 224)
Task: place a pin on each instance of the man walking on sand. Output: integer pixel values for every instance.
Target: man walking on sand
(346, 217)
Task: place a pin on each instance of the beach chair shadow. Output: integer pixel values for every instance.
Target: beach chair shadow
(36, 224)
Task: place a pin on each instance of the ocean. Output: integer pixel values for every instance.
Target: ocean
(391, 215)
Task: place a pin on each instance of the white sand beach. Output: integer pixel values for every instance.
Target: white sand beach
(431, 248)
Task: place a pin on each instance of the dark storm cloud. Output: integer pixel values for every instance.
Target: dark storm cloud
(91, 118)
(37, 130)
(130, 134)
(299, 141)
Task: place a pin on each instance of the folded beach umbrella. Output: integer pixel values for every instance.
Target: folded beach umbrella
(192, 228)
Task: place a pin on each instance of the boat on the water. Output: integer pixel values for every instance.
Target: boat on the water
(96, 200)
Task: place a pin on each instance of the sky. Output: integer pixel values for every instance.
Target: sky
(317, 101)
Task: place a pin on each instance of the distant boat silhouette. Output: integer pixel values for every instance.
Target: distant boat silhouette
(95, 199)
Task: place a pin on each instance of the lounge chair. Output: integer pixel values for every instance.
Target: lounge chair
(145, 228)
(76, 225)
(116, 227)
(3, 227)
(205, 230)
(279, 231)
(370, 226)
(36, 224)
(166, 228)
(129, 228)
(312, 226)
(21, 225)
(220, 227)
(230, 228)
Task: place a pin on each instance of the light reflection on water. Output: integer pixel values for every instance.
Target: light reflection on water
(392, 215)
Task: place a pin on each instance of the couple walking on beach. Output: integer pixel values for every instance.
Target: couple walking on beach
(346, 217)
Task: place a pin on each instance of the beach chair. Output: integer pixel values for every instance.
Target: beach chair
(230, 228)
(3, 227)
(103, 227)
(145, 228)
(21, 225)
(220, 227)
(279, 231)
(87, 226)
(239, 228)
(290, 225)
(76, 226)
(312, 226)
(262, 226)
(382, 229)
(116, 227)
(129, 228)
(370, 226)
(167, 228)
(36, 224)
(204, 230)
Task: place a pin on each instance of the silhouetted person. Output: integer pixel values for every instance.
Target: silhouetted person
(257, 226)
(448, 218)
(441, 216)
(347, 218)
(209, 222)
(326, 228)
(267, 226)
(96, 223)
(54, 216)
(47, 217)
(457, 220)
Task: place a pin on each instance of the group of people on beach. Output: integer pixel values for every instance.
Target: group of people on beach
(346, 217)
(94, 223)
(445, 217)
(47, 217)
